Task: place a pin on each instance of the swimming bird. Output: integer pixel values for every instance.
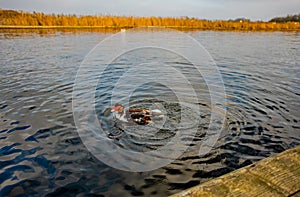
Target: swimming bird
(137, 115)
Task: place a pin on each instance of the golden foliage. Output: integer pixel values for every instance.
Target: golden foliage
(14, 18)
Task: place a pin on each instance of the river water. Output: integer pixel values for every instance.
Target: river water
(41, 152)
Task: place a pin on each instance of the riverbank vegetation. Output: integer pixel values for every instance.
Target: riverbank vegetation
(19, 19)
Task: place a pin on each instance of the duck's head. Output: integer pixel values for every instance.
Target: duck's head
(118, 107)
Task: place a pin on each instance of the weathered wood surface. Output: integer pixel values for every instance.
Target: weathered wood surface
(273, 176)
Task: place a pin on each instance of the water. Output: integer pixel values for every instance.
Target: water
(41, 152)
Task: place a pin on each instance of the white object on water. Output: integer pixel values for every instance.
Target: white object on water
(157, 113)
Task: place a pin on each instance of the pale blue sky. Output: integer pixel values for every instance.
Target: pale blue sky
(208, 9)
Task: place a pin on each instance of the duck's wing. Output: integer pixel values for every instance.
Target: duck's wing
(141, 119)
(138, 110)
(139, 116)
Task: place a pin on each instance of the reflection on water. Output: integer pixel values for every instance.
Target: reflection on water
(41, 152)
(13, 33)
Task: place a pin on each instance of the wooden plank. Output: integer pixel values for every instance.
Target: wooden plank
(274, 176)
(282, 172)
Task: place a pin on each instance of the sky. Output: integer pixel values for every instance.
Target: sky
(203, 9)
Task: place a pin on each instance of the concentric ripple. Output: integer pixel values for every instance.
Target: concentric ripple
(41, 153)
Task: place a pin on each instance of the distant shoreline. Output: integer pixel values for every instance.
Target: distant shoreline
(129, 27)
(10, 19)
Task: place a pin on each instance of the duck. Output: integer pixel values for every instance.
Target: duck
(136, 115)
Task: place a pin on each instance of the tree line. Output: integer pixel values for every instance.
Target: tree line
(20, 18)
(288, 18)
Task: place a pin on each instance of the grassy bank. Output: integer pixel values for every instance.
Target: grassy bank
(173, 27)
(14, 19)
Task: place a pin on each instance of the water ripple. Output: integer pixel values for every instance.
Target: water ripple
(41, 153)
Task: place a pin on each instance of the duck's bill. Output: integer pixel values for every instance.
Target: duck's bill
(114, 109)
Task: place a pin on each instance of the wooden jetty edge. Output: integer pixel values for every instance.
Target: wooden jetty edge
(274, 176)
